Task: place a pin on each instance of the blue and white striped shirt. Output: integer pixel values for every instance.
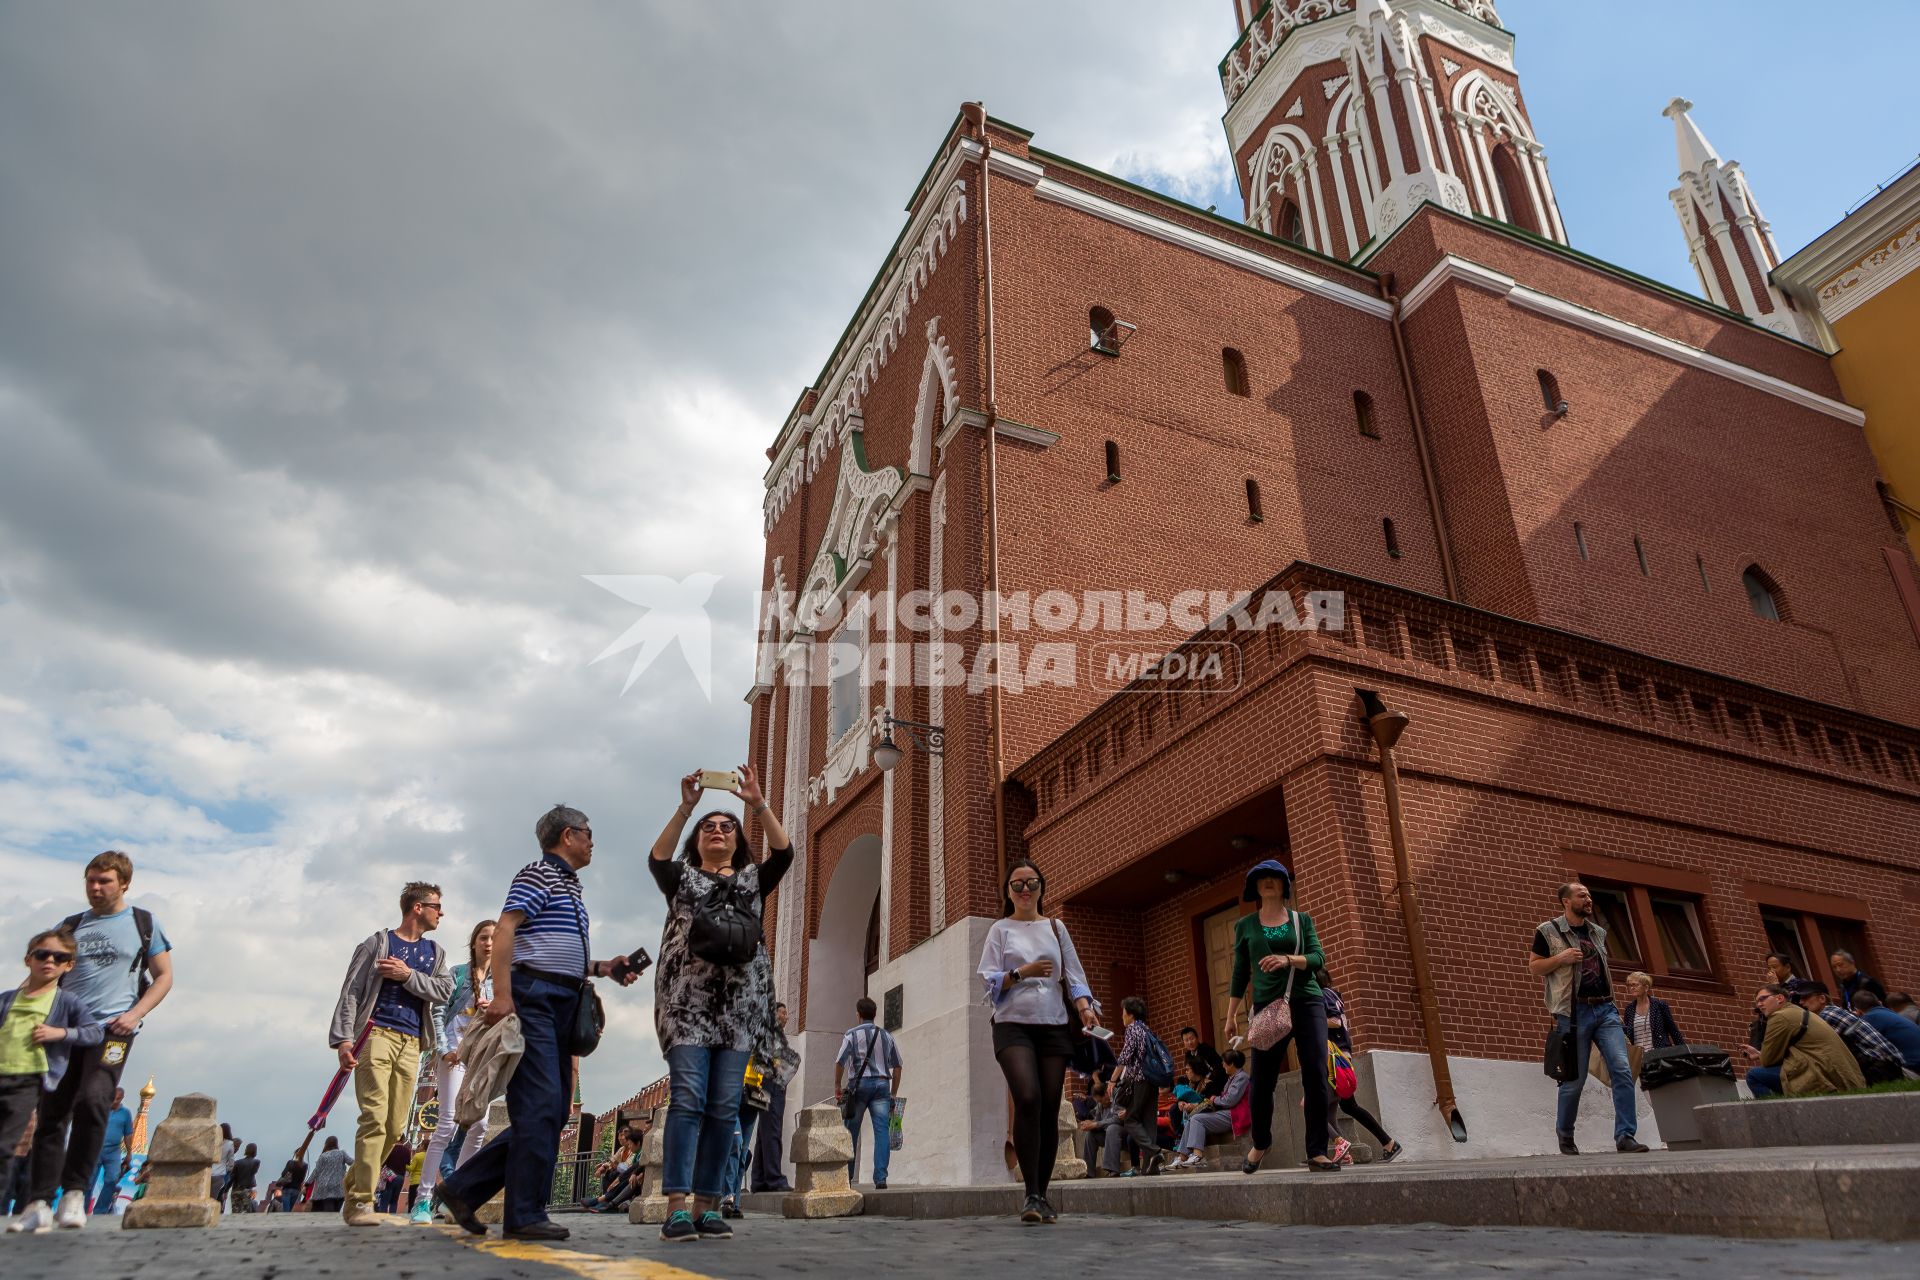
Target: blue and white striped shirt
(553, 936)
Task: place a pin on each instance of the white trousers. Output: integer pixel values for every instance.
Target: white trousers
(447, 1078)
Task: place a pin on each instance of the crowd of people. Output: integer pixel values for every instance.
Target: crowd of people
(405, 1005)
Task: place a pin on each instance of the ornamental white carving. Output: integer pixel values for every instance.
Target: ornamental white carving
(1281, 18)
(936, 372)
(847, 756)
(1871, 274)
(1298, 108)
(859, 497)
(862, 364)
(1452, 67)
(1332, 87)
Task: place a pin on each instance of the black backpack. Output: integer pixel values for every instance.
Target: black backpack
(726, 925)
(143, 925)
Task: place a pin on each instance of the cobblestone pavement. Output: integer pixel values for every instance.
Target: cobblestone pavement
(272, 1246)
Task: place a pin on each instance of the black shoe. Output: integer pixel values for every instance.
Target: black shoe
(1629, 1144)
(713, 1227)
(1030, 1212)
(1048, 1214)
(1566, 1145)
(457, 1210)
(1391, 1153)
(678, 1227)
(542, 1230)
(728, 1209)
(880, 1184)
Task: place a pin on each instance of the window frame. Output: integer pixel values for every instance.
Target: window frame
(1807, 911)
(1641, 883)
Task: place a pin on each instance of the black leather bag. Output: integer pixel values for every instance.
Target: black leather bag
(726, 925)
(1562, 1062)
(588, 1022)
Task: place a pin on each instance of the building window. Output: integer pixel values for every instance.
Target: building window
(845, 656)
(1513, 188)
(1580, 539)
(1103, 331)
(1290, 225)
(1550, 391)
(1809, 939)
(1640, 554)
(1613, 909)
(1113, 463)
(1393, 538)
(1762, 594)
(1234, 366)
(1363, 415)
(1254, 512)
(1660, 930)
(1700, 562)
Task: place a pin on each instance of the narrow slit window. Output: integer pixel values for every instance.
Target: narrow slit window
(1392, 537)
(1580, 539)
(1103, 331)
(1363, 415)
(1254, 511)
(1290, 225)
(1762, 594)
(1234, 366)
(1113, 463)
(1700, 562)
(1640, 554)
(1550, 392)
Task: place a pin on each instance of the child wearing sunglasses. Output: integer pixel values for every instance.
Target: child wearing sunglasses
(39, 1025)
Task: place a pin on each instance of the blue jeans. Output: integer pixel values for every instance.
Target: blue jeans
(109, 1175)
(451, 1156)
(1599, 1025)
(289, 1197)
(539, 1096)
(742, 1148)
(703, 1104)
(1764, 1081)
(875, 1097)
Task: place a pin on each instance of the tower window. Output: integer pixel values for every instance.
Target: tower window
(1392, 537)
(1363, 415)
(1104, 331)
(1234, 366)
(1762, 594)
(1700, 562)
(1289, 225)
(1254, 513)
(1113, 463)
(1640, 553)
(1550, 391)
(1513, 188)
(1580, 539)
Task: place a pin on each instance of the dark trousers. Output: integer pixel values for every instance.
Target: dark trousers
(1309, 1040)
(1141, 1122)
(19, 1095)
(768, 1147)
(66, 1162)
(539, 1097)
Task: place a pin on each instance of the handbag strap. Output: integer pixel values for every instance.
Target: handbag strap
(1287, 995)
(1066, 992)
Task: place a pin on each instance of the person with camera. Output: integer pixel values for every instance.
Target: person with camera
(541, 964)
(713, 992)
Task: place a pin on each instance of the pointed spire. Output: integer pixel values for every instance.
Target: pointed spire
(1694, 151)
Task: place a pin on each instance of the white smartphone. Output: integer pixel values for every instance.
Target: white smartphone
(1100, 1032)
(719, 780)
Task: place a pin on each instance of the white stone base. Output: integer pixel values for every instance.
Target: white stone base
(1508, 1108)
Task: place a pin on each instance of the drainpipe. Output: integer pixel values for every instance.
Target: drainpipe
(1441, 532)
(1386, 727)
(975, 114)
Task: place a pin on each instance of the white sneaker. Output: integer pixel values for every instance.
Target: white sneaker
(35, 1218)
(72, 1213)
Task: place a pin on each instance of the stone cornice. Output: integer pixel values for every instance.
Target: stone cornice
(1847, 246)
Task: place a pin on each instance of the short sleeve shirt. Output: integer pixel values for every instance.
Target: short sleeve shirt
(396, 1008)
(553, 937)
(119, 1128)
(103, 977)
(19, 1055)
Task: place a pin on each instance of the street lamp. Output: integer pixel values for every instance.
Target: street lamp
(931, 738)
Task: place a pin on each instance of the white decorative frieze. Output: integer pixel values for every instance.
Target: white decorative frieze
(1297, 109)
(1333, 86)
(1871, 274)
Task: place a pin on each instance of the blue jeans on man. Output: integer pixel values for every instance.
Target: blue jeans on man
(1764, 1081)
(539, 1099)
(1599, 1024)
(108, 1180)
(741, 1151)
(703, 1104)
(873, 1098)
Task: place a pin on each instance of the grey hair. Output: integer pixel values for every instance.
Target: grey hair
(1844, 955)
(553, 825)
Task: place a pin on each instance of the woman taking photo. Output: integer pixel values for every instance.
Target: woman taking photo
(1031, 971)
(466, 1004)
(1277, 950)
(711, 1017)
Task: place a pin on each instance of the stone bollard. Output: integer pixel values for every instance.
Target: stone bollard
(180, 1161)
(495, 1209)
(651, 1204)
(1067, 1163)
(822, 1148)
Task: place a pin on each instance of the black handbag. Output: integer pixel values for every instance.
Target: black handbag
(1562, 1060)
(589, 1020)
(726, 925)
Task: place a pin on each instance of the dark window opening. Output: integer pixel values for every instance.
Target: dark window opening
(1762, 594)
(1393, 538)
(1700, 562)
(1103, 330)
(1113, 463)
(1514, 190)
(1289, 225)
(1234, 366)
(1640, 554)
(1580, 539)
(1550, 392)
(1254, 512)
(1363, 415)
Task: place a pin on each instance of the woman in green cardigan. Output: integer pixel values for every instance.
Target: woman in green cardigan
(1277, 950)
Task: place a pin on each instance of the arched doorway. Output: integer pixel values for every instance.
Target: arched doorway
(837, 956)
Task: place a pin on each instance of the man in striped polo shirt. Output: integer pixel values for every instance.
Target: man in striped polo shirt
(540, 963)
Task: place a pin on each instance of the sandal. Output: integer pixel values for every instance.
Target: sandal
(1248, 1165)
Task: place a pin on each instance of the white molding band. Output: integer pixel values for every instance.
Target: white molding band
(1006, 430)
(1212, 246)
(1452, 268)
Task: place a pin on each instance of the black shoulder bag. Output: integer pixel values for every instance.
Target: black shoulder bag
(1562, 1061)
(726, 926)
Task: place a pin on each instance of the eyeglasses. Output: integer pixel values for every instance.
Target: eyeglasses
(1023, 886)
(585, 831)
(44, 953)
(721, 825)
(432, 906)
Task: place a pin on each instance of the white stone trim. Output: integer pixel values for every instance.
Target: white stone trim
(1887, 264)
(1012, 166)
(1843, 247)
(1007, 430)
(1212, 246)
(1452, 268)
(937, 715)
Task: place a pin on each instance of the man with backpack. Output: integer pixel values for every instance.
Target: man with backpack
(866, 1078)
(393, 981)
(1145, 1068)
(123, 970)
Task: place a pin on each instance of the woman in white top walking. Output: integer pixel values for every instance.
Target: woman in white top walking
(1031, 971)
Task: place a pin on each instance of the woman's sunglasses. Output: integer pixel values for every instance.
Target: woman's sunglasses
(724, 826)
(64, 957)
(1023, 886)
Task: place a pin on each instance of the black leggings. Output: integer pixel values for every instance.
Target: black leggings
(1309, 1040)
(1036, 1082)
(1367, 1122)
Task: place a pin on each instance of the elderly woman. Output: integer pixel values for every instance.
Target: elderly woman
(1648, 1020)
(711, 1017)
(1228, 1113)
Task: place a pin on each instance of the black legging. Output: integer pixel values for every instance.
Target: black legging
(1367, 1122)
(1036, 1083)
(1309, 1039)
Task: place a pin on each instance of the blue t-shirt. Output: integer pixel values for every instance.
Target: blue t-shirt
(119, 1129)
(397, 1008)
(103, 977)
(1903, 1035)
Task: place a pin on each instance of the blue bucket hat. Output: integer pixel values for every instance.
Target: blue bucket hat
(1270, 867)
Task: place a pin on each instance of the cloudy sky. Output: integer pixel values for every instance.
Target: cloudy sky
(339, 342)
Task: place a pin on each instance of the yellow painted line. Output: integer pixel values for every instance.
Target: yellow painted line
(593, 1266)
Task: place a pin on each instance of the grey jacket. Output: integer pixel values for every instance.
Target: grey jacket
(1560, 983)
(83, 1031)
(361, 989)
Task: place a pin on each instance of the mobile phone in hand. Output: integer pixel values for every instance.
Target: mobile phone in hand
(638, 962)
(720, 780)
(1100, 1032)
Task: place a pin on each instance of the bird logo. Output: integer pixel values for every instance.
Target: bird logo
(675, 610)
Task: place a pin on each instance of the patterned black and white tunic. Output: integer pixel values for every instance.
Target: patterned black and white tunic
(698, 1003)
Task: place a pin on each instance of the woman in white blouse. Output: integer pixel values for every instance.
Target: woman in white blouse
(1031, 971)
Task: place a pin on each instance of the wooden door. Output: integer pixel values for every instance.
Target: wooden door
(1217, 935)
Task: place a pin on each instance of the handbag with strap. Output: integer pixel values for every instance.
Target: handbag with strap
(589, 1021)
(726, 925)
(1085, 1056)
(1274, 1022)
(1561, 1061)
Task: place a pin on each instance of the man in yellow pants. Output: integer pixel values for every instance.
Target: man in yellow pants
(393, 981)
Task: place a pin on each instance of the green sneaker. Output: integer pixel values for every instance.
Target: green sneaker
(714, 1227)
(678, 1227)
(422, 1212)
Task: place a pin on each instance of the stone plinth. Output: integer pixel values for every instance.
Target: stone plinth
(651, 1204)
(1067, 1163)
(821, 1150)
(180, 1161)
(1871, 1119)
